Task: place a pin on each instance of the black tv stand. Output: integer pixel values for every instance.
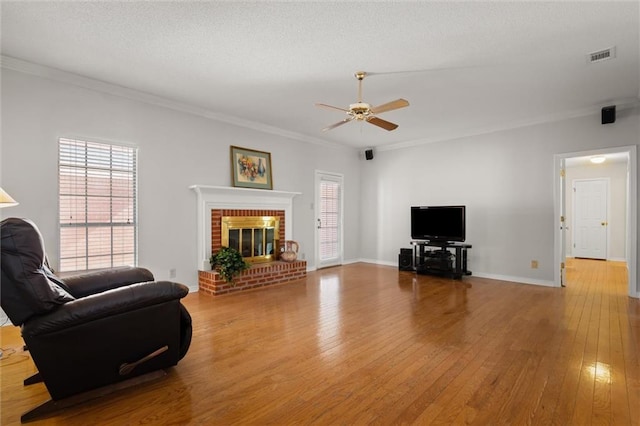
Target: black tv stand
(442, 261)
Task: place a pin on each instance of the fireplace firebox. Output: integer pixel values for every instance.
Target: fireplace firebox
(257, 238)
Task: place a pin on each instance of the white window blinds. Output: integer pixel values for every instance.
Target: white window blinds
(97, 195)
(329, 199)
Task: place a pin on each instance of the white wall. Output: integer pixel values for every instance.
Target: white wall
(176, 149)
(505, 178)
(506, 181)
(616, 172)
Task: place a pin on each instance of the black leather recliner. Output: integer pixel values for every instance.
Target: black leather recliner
(88, 332)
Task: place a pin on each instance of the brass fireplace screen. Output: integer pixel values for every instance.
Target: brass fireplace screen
(255, 237)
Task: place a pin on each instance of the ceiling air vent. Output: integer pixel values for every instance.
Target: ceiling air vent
(601, 55)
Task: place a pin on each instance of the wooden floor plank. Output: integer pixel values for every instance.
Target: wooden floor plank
(553, 369)
(619, 398)
(586, 379)
(601, 410)
(368, 344)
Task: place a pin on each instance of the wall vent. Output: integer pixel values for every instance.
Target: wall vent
(601, 55)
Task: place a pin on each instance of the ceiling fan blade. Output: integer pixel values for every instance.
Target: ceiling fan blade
(387, 125)
(339, 123)
(331, 107)
(389, 106)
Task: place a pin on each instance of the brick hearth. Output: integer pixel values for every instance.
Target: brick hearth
(259, 275)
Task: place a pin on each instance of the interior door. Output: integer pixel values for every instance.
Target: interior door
(590, 218)
(328, 219)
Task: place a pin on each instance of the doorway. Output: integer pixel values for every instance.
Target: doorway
(630, 214)
(329, 248)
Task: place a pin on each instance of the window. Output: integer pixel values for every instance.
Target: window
(98, 218)
(329, 219)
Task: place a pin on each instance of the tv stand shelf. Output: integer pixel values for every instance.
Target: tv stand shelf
(441, 261)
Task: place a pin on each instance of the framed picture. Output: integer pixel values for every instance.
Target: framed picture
(250, 168)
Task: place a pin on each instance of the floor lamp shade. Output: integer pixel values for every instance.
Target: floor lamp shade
(6, 200)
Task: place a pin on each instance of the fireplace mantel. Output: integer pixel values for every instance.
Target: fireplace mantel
(223, 197)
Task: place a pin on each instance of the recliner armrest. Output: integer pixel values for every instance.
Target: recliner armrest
(103, 305)
(87, 283)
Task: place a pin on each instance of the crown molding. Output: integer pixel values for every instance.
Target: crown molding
(621, 104)
(26, 67)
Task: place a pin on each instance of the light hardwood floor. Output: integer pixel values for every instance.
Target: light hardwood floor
(367, 344)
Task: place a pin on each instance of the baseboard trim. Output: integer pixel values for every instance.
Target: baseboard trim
(519, 280)
(377, 262)
(508, 278)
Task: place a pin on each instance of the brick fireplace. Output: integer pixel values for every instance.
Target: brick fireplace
(215, 203)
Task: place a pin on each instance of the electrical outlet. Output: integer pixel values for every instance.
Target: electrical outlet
(172, 273)
(534, 264)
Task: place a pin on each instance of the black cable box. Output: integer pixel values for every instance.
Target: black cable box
(439, 254)
(437, 264)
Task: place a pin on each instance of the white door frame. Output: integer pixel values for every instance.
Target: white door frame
(562, 214)
(338, 177)
(632, 212)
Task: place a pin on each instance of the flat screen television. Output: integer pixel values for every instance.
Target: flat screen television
(438, 223)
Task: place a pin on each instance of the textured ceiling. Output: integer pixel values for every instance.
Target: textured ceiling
(465, 67)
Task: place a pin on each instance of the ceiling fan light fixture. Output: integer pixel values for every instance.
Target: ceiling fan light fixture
(360, 111)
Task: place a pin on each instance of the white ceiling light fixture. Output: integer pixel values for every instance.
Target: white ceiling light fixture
(598, 159)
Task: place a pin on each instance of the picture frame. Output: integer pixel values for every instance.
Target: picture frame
(250, 168)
